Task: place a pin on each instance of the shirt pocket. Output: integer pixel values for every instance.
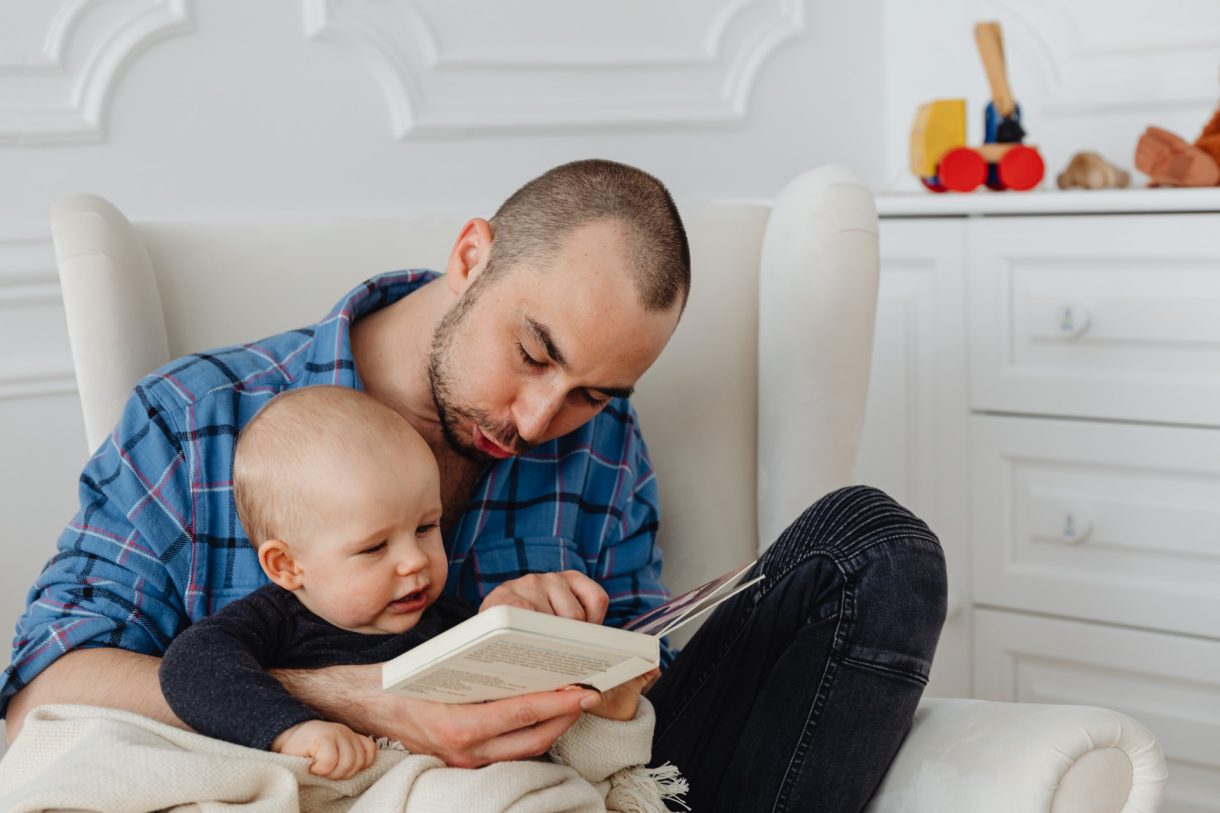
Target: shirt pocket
(497, 561)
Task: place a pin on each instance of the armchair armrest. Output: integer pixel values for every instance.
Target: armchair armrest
(963, 756)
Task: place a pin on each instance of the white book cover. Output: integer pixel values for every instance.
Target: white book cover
(508, 651)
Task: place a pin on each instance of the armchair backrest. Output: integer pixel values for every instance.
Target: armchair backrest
(779, 325)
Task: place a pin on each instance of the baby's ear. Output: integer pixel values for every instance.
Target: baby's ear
(275, 557)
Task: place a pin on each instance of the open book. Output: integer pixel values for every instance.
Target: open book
(507, 651)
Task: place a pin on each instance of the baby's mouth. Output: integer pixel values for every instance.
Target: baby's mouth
(410, 600)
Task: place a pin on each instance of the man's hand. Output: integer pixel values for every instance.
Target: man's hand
(335, 750)
(464, 736)
(570, 594)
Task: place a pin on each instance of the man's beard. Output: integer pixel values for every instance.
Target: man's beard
(440, 382)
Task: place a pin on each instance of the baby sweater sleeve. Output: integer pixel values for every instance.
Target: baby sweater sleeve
(213, 675)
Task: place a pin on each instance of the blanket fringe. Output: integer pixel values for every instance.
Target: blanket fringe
(387, 744)
(645, 790)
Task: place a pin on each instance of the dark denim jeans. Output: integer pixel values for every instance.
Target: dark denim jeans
(796, 694)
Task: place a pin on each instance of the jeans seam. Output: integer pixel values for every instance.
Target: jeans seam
(829, 674)
(915, 677)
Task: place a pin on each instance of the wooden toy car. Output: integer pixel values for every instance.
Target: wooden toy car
(940, 157)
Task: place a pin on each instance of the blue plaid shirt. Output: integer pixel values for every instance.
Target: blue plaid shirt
(157, 544)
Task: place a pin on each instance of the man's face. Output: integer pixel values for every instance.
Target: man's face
(533, 353)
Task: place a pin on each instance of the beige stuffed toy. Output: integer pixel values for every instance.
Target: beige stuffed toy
(1088, 170)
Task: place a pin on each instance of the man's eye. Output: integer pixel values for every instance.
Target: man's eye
(593, 400)
(529, 360)
(380, 546)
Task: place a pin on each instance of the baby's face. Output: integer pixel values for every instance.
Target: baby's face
(370, 552)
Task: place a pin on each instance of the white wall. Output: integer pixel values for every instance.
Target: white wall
(183, 108)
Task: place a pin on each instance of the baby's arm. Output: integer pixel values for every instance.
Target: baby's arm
(213, 677)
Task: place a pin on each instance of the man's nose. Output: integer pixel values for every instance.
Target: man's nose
(535, 409)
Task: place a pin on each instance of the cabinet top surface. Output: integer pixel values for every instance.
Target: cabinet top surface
(1047, 202)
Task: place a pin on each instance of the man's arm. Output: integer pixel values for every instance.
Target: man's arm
(464, 736)
(114, 678)
(109, 595)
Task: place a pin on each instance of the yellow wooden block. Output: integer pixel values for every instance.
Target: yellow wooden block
(939, 127)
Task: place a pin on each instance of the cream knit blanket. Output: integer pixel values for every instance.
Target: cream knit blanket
(87, 758)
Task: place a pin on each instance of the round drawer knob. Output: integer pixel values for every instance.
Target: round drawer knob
(1073, 319)
(1075, 529)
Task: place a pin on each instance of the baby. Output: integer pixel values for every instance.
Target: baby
(341, 498)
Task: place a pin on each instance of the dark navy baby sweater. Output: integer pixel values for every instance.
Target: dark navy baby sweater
(214, 675)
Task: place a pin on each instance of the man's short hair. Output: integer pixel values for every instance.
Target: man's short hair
(533, 223)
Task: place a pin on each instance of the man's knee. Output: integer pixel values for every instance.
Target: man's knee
(893, 571)
(850, 521)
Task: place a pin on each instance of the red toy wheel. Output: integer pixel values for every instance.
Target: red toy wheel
(935, 187)
(961, 169)
(1021, 168)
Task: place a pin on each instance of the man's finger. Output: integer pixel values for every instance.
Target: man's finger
(513, 728)
(589, 593)
(525, 742)
(515, 713)
(563, 602)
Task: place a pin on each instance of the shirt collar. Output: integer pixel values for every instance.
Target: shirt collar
(330, 359)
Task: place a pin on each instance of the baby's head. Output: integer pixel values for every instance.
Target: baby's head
(341, 497)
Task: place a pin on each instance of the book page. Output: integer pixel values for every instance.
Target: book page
(513, 663)
(680, 609)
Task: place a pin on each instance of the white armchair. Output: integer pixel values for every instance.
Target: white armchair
(771, 360)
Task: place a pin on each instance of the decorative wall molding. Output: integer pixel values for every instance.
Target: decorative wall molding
(57, 91)
(1100, 56)
(37, 360)
(439, 75)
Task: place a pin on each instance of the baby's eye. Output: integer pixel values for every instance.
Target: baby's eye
(380, 546)
(424, 530)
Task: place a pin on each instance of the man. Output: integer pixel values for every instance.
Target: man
(515, 366)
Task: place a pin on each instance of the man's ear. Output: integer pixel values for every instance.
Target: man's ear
(469, 255)
(275, 557)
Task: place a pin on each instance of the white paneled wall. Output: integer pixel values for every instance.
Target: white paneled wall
(222, 108)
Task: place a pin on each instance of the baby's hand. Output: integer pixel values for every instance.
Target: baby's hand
(620, 702)
(337, 751)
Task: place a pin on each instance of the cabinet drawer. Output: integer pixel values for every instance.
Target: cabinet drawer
(1109, 522)
(1109, 316)
(1169, 683)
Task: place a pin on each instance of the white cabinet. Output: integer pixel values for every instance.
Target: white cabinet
(1046, 393)
(914, 440)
